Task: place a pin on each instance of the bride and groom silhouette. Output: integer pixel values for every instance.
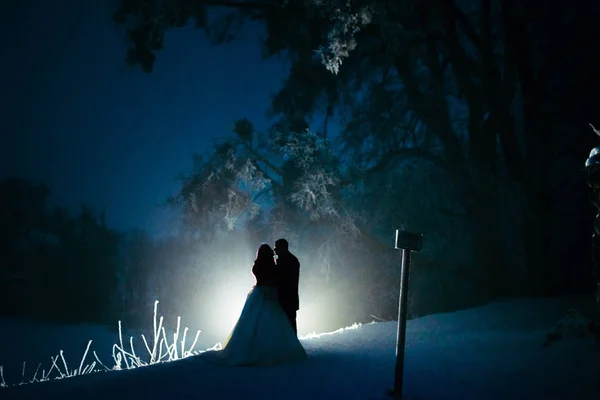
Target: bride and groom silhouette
(266, 333)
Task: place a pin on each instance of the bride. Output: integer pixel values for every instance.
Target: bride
(263, 334)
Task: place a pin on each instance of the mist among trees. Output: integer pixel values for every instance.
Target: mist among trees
(452, 119)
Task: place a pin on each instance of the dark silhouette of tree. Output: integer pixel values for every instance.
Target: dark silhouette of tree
(66, 265)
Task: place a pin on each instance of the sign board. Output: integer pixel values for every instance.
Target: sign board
(408, 240)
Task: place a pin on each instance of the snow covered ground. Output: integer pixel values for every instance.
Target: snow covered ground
(489, 352)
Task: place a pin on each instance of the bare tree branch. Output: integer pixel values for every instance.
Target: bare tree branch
(397, 156)
(262, 159)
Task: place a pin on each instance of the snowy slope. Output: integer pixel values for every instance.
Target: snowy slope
(490, 352)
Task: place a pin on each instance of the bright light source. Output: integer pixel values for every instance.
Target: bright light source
(314, 317)
(227, 306)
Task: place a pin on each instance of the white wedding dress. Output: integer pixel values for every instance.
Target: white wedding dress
(262, 335)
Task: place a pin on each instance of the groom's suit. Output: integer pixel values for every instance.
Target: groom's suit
(288, 275)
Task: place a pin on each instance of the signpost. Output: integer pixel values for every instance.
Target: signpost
(407, 242)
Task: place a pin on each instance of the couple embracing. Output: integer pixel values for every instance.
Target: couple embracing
(266, 333)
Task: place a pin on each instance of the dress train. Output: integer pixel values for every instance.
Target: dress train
(262, 335)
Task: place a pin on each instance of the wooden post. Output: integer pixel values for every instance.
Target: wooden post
(407, 242)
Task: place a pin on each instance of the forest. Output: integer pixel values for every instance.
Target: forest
(463, 121)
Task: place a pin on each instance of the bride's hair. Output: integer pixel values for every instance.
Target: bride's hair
(265, 252)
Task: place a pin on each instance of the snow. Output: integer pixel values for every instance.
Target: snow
(489, 352)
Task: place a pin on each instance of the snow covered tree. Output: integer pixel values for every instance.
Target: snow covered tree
(461, 86)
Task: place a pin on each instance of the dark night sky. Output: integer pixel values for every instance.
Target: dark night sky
(99, 132)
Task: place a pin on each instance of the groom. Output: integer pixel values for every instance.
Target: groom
(288, 270)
